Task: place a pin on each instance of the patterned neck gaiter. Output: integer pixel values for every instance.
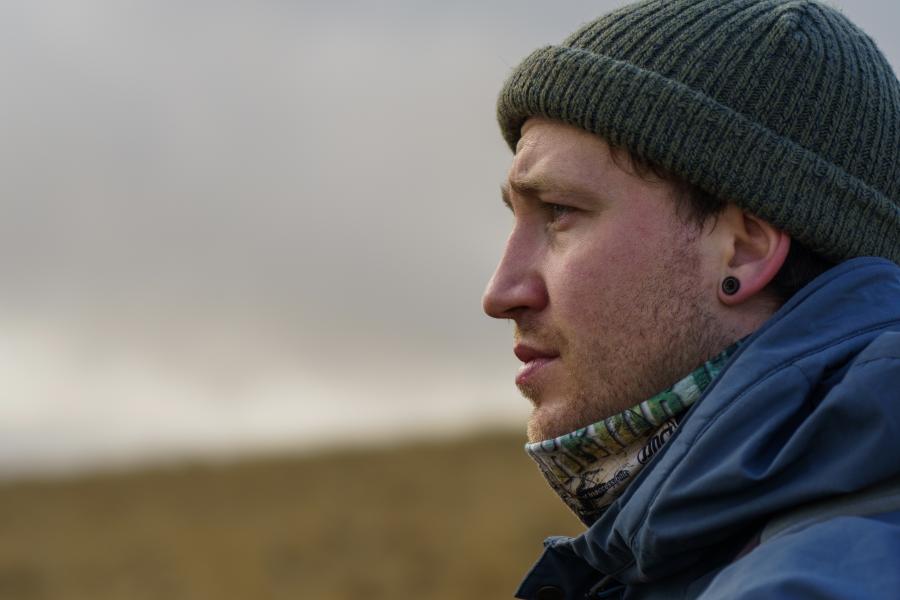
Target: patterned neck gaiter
(591, 467)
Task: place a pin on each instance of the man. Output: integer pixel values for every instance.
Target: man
(702, 274)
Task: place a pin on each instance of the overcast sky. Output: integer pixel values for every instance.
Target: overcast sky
(234, 225)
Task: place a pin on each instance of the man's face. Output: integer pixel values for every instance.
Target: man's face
(604, 281)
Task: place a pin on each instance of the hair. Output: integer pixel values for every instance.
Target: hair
(697, 206)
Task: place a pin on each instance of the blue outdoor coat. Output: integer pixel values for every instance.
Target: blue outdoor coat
(808, 408)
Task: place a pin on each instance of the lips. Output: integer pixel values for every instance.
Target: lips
(534, 360)
(527, 353)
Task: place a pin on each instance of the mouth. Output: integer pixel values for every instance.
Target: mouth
(534, 360)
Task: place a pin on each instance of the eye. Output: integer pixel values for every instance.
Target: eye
(557, 213)
(559, 210)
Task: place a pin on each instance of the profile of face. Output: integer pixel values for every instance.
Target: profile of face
(611, 291)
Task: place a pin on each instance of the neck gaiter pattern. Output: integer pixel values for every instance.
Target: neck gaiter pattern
(592, 466)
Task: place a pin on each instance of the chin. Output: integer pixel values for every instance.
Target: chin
(533, 434)
(553, 417)
(544, 425)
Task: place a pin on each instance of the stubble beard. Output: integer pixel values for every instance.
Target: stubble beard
(676, 334)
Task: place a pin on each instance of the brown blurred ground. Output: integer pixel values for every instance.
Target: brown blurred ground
(460, 520)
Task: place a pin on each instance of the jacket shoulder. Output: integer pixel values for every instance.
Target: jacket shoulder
(874, 373)
(884, 347)
(843, 558)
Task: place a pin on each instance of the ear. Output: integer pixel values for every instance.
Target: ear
(753, 252)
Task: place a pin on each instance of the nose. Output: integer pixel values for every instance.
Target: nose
(517, 285)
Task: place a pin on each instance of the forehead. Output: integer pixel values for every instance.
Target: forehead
(551, 151)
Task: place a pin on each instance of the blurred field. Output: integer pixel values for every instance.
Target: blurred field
(450, 520)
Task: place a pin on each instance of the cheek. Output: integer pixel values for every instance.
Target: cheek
(609, 257)
(605, 276)
(587, 280)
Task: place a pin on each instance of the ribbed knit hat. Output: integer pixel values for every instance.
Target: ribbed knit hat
(782, 106)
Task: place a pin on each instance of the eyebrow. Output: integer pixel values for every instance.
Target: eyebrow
(534, 187)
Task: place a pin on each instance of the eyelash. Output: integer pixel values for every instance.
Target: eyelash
(558, 211)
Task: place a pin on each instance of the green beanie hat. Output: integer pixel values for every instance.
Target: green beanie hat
(782, 106)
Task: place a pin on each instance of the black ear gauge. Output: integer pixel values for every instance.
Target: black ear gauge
(731, 285)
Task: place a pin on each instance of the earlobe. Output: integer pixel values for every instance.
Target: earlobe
(759, 251)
